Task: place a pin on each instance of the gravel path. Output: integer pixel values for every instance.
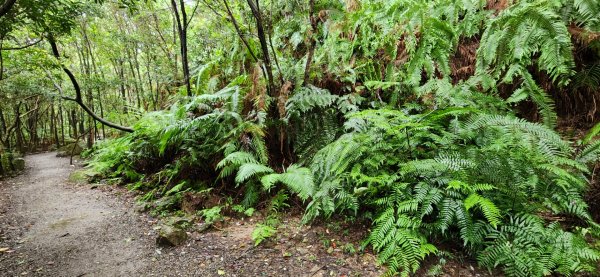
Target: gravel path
(50, 227)
(54, 229)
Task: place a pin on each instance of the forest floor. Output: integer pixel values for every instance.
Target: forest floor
(50, 226)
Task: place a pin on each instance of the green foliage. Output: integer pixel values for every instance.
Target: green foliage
(591, 134)
(447, 174)
(586, 12)
(171, 149)
(385, 131)
(523, 30)
(298, 180)
(243, 210)
(530, 89)
(526, 247)
(212, 215)
(262, 232)
(314, 118)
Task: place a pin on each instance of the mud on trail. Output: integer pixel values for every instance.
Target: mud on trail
(51, 227)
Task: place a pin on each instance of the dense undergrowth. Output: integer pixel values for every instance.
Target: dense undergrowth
(392, 133)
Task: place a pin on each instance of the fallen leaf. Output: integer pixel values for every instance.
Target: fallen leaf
(221, 272)
(4, 249)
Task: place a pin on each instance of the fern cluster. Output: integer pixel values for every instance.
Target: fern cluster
(455, 174)
(527, 246)
(170, 151)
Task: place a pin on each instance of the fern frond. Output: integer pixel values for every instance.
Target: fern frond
(297, 179)
(249, 170)
(491, 212)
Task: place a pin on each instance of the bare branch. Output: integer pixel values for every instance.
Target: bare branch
(24, 46)
(78, 99)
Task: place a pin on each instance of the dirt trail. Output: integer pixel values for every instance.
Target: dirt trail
(50, 227)
(56, 229)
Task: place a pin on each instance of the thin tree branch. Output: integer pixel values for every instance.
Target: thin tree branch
(313, 40)
(78, 99)
(237, 29)
(254, 7)
(24, 46)
(192, 15)
(212, 9)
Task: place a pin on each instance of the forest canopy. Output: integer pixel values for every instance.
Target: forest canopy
(468, 123)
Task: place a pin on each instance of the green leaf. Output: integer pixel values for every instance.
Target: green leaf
(593, 132)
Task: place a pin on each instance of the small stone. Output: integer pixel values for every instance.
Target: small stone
(140, 207)
(170, 236)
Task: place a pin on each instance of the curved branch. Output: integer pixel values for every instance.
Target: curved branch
(24, 46)
(78, 99)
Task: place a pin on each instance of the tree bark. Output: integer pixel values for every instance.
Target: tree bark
(54, 125)
(19, 133)
(263, 45)
(73, 125)
(182, 25)
(313, 41)
(5, 8)
(62, 121)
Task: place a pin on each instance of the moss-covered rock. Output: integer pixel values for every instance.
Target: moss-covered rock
(11, 164)
(19, 164)
(170, 236)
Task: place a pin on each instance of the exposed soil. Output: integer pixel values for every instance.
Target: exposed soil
(52, 227)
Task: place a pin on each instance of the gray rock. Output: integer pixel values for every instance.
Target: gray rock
(140, 207)
(170, 236)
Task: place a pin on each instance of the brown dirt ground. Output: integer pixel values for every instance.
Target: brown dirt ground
(52, 227)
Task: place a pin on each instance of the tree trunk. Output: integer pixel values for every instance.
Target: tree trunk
(5, 8)
(313, 40)
(73, 120)
(62, 122)
(54, 125)
(19, 134)
(182, 25)
(263, 45)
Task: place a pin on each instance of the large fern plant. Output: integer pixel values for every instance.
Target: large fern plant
(452, 175)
